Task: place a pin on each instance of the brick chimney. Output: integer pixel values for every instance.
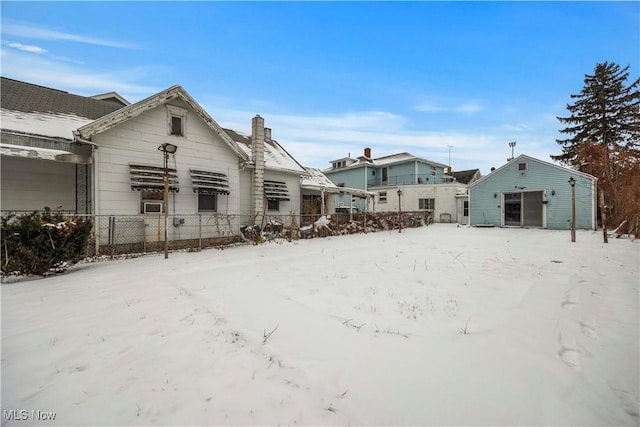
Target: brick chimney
(257, 155)
(367, 152)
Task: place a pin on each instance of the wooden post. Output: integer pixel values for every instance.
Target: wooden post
(603, 215)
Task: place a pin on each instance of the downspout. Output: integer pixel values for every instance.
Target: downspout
(94, 186)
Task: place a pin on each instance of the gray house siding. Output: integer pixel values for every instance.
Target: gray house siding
(541, 191)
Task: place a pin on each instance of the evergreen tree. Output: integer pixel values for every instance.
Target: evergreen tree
(605, 140)
(606, 113)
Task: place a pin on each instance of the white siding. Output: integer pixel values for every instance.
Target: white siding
(137, 141)
(31, 184)
(444, 196)
(291, 207)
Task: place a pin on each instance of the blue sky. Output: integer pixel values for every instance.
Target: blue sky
(331, 78)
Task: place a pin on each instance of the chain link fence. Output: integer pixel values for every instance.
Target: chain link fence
(128, 235)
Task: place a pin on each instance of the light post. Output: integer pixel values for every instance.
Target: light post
(572, 183)
(399, 211)
(167, 149)
(450, 147)
(512, 145)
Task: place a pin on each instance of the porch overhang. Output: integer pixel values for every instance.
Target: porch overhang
(31, 146)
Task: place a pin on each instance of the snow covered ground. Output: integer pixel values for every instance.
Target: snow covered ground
(438, 325)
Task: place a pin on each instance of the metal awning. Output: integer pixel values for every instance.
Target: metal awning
(205, 182)
(276, 190)
(151, 178)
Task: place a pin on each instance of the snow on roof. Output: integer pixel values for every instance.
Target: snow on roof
(45, 124)
(316, 178)
(275, 156)
(32, 152)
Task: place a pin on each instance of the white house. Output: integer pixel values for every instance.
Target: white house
(109, 159)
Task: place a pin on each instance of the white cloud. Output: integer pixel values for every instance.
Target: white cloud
(26, 47)
(82, 81)
(471, 106)
(315, 140)
(30, 31)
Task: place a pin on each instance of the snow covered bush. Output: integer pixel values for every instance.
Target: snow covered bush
(42, 243)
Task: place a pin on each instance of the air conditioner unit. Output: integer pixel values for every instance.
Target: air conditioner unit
(153, 207)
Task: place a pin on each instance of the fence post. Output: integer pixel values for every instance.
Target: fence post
(112, 235)
(199, 232)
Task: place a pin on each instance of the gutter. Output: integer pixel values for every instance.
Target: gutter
(79, 139)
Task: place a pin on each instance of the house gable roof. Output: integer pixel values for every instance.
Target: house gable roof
(30, 98)
(465, 177)
(384, 161)
(533, 159)
(33, 110)
(316, 179)
(275, 156)
(112, 97)
(174, 92)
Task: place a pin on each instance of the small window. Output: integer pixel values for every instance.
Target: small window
(465, 208)
(382, 197)
(176, 126)
(176, 120)
(522, 167)
(433, 170)
(426, 204)
(207, 203)
(273, 205)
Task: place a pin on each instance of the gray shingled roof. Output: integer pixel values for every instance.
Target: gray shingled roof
(29, 98)
(464, 177)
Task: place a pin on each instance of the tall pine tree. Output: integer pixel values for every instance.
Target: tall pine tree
(606, 113)
(604, 129)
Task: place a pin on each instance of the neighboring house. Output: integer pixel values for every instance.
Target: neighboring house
(318, 193)
(41, 163)
(424, 185)
(527, 192)
(467, 177)
(117, 167)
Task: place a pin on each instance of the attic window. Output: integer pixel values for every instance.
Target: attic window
(522, 167)
(176, 125)
(176, 120)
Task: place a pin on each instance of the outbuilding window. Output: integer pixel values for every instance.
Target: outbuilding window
(522, 167)
(426, 203)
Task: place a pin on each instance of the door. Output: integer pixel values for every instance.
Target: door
(512, 209)
(523, 209)
(385, 176)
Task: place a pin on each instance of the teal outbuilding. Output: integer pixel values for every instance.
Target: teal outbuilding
(527, 192)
